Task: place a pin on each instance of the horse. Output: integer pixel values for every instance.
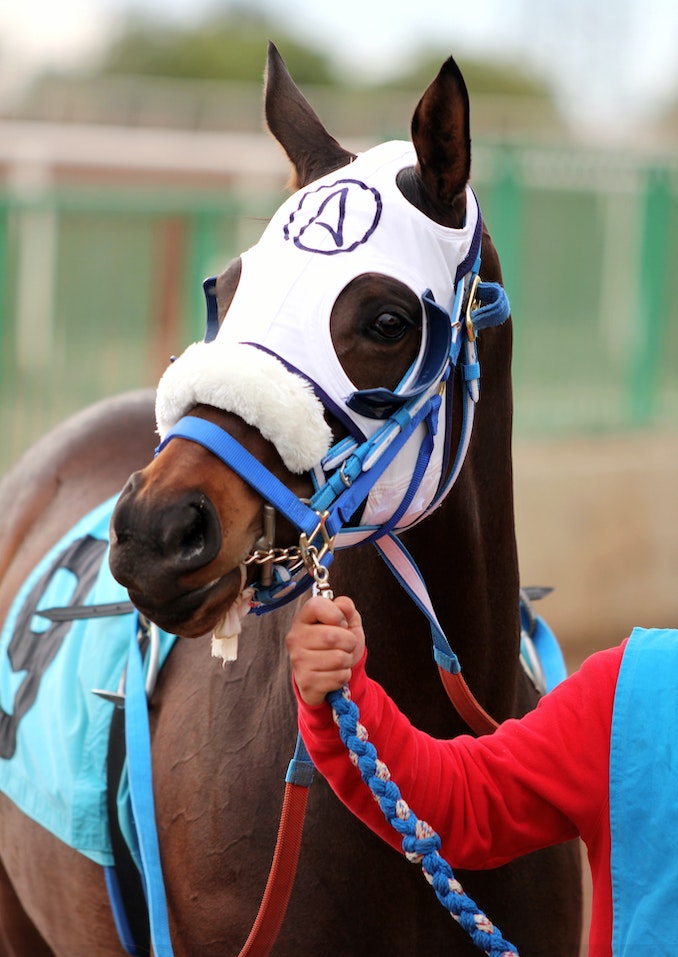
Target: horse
(185, 535)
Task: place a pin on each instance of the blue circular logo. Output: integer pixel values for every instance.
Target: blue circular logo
(335, 218)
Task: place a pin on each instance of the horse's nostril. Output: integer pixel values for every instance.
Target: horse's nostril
(193, 538)
(193, 533)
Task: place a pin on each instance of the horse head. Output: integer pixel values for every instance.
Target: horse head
(328, 353)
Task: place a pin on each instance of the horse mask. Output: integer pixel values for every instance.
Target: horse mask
(273, 361)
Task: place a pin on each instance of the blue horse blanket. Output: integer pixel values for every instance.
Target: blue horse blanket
(53, 729)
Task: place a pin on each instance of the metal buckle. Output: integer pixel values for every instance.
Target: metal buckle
(312, 556)
(471, 304)
(147, 629)
(267, 542)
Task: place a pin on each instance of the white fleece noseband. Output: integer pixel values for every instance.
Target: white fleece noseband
(257, 386)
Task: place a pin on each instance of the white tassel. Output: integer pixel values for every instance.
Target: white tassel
(227, 629)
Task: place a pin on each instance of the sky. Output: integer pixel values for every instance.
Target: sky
(610, 62)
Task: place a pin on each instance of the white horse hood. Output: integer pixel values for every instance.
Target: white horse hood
(352, 221)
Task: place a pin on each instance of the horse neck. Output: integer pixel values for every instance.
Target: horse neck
(467, 556)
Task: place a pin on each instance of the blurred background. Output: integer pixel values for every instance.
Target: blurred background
(133, 164)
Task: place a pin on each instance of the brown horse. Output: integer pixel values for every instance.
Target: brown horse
(222, 735)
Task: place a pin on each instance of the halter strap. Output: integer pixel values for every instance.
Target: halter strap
(341, 495)
(231, 453)
(351, 483)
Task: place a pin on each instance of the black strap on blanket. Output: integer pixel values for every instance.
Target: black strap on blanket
(129, 879)
(78, 612)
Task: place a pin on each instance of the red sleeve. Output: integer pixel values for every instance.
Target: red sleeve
(534, 782)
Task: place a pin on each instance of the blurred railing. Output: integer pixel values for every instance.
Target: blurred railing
(104, 241)
(587, 241)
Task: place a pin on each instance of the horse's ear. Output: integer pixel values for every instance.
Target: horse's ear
(295, 125)
(441, 136)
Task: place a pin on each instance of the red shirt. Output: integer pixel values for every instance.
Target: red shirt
(537, 781)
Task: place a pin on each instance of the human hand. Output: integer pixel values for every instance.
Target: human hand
(325, 642)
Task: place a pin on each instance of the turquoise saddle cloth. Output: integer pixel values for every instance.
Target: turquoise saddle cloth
(53, 729)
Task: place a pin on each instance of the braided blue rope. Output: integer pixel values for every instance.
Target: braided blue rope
(420, 842)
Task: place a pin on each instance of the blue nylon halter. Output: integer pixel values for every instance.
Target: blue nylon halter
(233, 454)
(351, 468)
(339, 497)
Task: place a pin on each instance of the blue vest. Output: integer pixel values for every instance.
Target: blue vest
(644, 797)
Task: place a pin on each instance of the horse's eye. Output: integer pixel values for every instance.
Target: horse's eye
(389, 326)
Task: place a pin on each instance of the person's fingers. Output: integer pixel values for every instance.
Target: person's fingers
(324, 643)
(317, 638)
(321, 610)
(350, 612)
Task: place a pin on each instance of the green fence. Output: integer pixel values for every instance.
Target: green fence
(587, 241)
(99, 288)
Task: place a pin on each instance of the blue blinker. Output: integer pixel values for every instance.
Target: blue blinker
(381, 403)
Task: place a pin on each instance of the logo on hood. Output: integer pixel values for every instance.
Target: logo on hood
(335, 218)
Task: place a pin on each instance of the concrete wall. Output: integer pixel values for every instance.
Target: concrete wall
(597, 518)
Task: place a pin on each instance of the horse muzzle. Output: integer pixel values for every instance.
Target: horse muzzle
(171, 559)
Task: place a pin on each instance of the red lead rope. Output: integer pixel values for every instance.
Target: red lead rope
(473, 713)
(281, 877)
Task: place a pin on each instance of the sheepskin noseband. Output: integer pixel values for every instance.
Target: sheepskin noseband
(257, 386)
(274, 349)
